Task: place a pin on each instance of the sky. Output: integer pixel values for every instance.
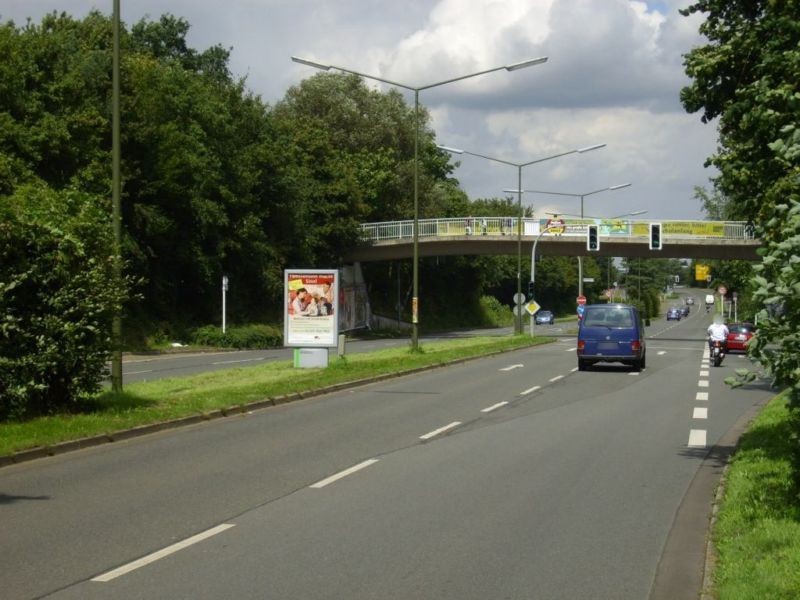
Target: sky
(613, 76)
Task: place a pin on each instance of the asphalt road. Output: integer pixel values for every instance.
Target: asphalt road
(146, 367)
(514, 476)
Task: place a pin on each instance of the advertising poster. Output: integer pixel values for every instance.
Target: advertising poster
(311, 308)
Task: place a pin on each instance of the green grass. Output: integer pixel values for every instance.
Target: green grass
(165, 399)
(757, 534)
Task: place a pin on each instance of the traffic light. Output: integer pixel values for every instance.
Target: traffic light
(655, 236)
(530, 290)
(592, 238)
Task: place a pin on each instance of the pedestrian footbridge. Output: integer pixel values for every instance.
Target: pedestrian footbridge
(394, 240)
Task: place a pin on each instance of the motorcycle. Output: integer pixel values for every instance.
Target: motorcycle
(717, 352)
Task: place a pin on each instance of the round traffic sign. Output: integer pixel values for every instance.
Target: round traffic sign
(722, 290)
(581, 300)
(519, 298)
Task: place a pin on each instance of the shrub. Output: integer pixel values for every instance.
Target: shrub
(58, 293)
(495, 313)
(243, 336)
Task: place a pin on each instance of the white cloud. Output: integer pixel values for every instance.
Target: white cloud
(614, 75)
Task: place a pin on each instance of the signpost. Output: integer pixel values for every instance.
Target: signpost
(581, 300)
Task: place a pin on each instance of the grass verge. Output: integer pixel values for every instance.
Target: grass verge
(757, 534)
(166, 399)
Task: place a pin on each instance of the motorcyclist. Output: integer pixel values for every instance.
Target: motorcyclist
(717, 332)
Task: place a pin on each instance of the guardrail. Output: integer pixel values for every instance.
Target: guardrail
(507, 226)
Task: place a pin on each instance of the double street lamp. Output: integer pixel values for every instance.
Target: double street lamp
(581, 196)
(417, 90)
(518, 320)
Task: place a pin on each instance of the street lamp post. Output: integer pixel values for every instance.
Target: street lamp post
(581, 196)
(519, 190)
(417, 90)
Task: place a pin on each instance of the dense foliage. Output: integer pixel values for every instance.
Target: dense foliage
(748, 77)
(57, 295)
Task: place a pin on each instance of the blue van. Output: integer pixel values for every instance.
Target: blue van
(611, 333)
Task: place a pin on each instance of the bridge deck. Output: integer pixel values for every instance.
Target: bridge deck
(499, 236)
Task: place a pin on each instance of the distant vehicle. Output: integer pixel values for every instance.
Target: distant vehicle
(685, 310)
(545, 316)
(739, 335)
(690, 300)
(674, 314)
(709, 298)
(611, 333)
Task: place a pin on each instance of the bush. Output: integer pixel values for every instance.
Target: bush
(58, 293)
(495, 313)
(243, 336)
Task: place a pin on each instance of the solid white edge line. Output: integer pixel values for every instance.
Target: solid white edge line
(573, 370)
(556, 378)
(494, 407)
(512, 367)
(697, 438)
(146, 560)
(700, 413)
(137, 372)
(345, 473)
(436, 432)
(232, 362)
(530, 390)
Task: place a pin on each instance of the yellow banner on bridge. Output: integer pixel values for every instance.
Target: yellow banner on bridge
(693, 228)
(701, 272)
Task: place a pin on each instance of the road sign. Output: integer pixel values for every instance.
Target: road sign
(581, 300)
(722, 290)
(532, 307)
(581, 309)
(519, 298)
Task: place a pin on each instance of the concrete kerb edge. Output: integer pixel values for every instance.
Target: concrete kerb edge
(125, 434)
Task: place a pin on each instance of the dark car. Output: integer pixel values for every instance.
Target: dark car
(674, 314)
(611, 333)
(545, 316)
(739, 335)
(685, 310)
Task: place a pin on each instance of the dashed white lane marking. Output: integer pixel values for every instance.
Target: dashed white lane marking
(697, 438)
(436, 432)
(244, 360)
(570, 349)
(703, 373)
(489, 409)
(531, 390)
(146, 560)
(700, 413)
(345, 473)
(512, 367)
(634, 373)
(701, 396)
(556, 378)
(662, 353)
(138, 372)
(702, 383)
(573, 369)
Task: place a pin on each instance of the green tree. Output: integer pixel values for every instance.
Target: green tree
(58, 292)
(748, 76)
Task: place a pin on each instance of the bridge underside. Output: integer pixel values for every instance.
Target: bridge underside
(556, 246)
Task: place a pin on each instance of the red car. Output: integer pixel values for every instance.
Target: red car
(738, 336)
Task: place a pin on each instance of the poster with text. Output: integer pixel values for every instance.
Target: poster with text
(311, 307)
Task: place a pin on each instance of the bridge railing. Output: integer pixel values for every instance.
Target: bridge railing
(507, 226)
